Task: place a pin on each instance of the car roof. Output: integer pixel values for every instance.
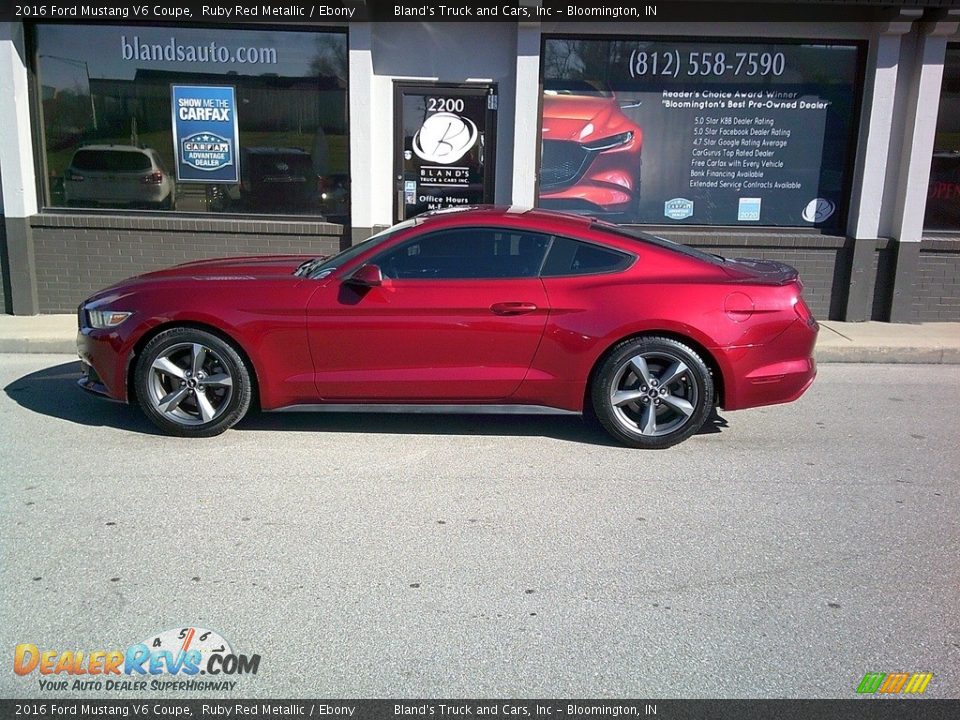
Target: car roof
(553, 221)
(275, 150)
(503, 214)
(116, 148)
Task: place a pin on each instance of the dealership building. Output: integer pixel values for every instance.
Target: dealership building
(833, 146)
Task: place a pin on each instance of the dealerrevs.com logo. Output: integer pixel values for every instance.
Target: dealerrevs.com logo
(171, 660)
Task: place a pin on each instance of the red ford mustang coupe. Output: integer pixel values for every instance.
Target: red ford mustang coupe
(477, 310)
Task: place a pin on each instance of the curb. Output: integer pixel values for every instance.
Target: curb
(891, 355)
(36, 346)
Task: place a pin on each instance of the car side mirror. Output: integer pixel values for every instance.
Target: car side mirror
(366, 276)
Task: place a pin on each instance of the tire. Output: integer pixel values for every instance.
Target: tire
(630, 383)
(190, 383)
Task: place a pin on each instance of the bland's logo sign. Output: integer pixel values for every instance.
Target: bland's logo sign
(444, 138)
(818, 210)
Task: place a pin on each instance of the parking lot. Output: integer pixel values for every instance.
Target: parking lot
(784, 551)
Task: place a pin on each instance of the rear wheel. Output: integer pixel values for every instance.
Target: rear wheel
(191, 383)
(652, 392)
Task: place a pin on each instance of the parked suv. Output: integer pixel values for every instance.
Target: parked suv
(118, 175)
(277, 178)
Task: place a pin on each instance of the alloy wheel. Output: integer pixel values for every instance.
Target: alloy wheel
(654, 393)
(190, 384)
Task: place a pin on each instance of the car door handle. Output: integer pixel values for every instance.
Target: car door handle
(512, 308)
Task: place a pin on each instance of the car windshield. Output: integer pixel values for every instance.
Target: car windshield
(111, 160)
(322, 268)
(658, 241)
(575, 87)
(265, 164)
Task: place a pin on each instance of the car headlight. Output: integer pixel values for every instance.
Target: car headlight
(610, 142)
(103, 319)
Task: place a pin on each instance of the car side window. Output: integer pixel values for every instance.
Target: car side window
(466, 254)
(572, 257)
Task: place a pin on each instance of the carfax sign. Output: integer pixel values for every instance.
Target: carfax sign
(205, 133)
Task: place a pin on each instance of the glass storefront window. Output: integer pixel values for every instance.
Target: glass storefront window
(194, 119)
(699, 132)
(943, 192)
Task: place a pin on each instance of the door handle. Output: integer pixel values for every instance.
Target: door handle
(512, 308)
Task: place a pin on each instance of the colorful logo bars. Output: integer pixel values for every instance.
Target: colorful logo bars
(893, 683)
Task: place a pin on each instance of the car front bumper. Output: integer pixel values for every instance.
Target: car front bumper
(103, 369)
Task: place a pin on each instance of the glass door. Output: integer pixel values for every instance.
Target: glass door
(444, 146)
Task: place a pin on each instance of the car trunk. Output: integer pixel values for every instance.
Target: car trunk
(767, 272)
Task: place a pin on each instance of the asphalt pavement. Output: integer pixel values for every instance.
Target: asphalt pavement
(783, 552)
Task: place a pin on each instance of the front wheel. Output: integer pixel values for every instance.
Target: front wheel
(191, 383)
(652, 392)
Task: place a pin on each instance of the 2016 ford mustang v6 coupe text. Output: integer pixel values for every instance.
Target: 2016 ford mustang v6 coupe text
(483, 309)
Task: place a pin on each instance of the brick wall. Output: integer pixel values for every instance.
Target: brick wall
(881, 274)
(937, 296)
(76, 255)
(4, 271)
(936, 284)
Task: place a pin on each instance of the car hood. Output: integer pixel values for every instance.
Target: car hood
(252, 267)
(580, 118)
(235, 269)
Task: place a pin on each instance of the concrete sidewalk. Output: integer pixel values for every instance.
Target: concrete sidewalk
(879, 342)
(868, 342)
